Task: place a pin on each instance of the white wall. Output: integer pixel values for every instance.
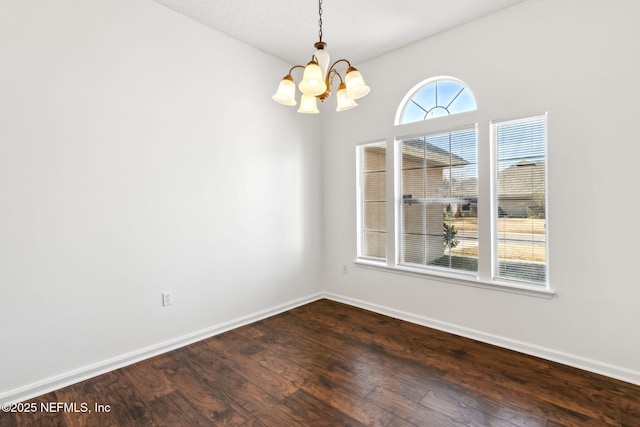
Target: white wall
(577, 60)
(140, 152)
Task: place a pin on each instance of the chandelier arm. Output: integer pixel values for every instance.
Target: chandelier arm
(336, 63)
(312, 80)
(336, 73)
(331, 73)
(294, 67)
(329, 79)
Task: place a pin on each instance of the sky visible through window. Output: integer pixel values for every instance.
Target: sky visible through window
(438, 99)
(519, 143)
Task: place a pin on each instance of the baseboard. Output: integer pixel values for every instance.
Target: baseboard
(586, 364)
(72, 377)
(68, 378)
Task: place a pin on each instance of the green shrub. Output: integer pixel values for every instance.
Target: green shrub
(449, 236)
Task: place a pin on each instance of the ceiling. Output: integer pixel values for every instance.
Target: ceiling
(354, 29)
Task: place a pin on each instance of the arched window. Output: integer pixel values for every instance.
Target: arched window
(440, 183)
(435, 97)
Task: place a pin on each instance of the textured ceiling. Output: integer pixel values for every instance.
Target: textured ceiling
(354, 29)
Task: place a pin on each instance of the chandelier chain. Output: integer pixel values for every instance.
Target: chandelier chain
(320, 19)
(317, 79)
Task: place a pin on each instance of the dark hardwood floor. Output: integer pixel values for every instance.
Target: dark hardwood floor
(328, 364)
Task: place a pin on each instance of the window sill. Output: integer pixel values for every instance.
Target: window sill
(534, 291)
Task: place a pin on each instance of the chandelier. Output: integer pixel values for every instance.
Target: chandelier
(317, 79)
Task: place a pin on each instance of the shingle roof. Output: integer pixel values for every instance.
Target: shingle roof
(523, 179)
(416, 149)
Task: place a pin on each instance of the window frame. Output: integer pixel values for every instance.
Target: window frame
(484, 278)
(360, 197)
(401, 205)
(494, 196)
(415, 90)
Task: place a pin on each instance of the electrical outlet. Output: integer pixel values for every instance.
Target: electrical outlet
(345, 269)
(167, 298)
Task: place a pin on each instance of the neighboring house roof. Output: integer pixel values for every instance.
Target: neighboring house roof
(523, 179)
(414, 150)
(466, 188)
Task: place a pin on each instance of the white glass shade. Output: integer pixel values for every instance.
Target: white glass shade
(356, 87)
(312, 81)
(308, 104)
(344, 103)
(322, 56)
(286, 94)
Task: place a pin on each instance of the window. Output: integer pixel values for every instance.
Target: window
(434, 98)
(372, 203)
(439, 201)
(467, 199)
(519, 202)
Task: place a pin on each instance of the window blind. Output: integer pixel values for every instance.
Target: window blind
(519, 204)
(439, 226)
(373, 205)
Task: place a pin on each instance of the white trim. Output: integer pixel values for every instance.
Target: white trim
(68, 378)
(460, 279)
(493, 126)
(424, 83)
(65, 379)
(360, 191)
(595, 366)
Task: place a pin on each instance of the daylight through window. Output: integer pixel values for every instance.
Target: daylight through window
(437, 98)
(464, 199)
(440, 201)
(520, 199)
(372, 183)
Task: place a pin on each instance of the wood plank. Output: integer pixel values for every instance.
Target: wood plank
(174, 409)
(214, 404)
(456, 409)
(34, 416)
(400, 422)
(371, 363)
(151, 376)
(319, 413)
(630, 407)
(327, 363)
(410, 410)
(227, 373)
(500, 408)
(248, 359)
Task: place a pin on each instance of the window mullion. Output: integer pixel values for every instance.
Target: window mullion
(430, 200)
(392, 207)
(485, 196)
